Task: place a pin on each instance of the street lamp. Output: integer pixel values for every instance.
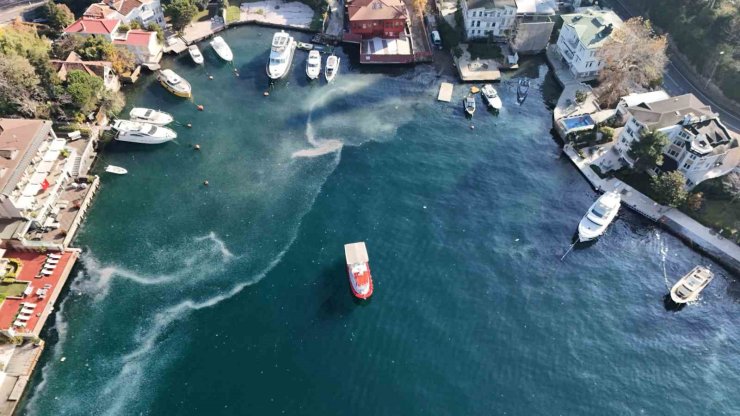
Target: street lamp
(716, 64)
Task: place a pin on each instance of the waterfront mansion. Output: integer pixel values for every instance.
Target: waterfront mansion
(485, 18)
(699, 145)
(582, 35)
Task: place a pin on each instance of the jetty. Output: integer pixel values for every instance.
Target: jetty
(445, 92)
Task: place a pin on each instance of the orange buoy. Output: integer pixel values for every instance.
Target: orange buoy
(200, 107)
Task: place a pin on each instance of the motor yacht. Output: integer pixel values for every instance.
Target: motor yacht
(332, 67)
(687, 289)
(147, 115)
(469, 105)
(599, 216)
(222, 49)
(490, 95)
(195, 54)
(313, 65)
(174, 83)
(145, 133)
(281, 55)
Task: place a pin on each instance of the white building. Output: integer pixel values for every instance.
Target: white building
(535, 20)
(128, 11)
(699, 145)
(144, 45)
(582, 35)
(484, 18)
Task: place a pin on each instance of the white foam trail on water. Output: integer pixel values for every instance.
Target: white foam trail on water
(219, 244)
(320, 147)
(663, 257)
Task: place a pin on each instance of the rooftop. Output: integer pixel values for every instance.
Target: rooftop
(19, 140)
(99, 11)
(135, 37)
(376, 10)
(668, 112)
(125, 6)
(593, 26)
(547, 7)
(634, 99)
(75, 62)
(93, 26)
(490, 4)
(712, 136)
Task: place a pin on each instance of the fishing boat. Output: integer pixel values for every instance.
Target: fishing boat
(281, 55)
(687, 289)
(599, 216)
(147, 115)
(490, 95)
(145, 133)
(522, 90)
(222, 49)
(358, 270)
(313, 65)
(332, 67)
(195, 54)
(469, 105)
(305, 46)
(117, 170)
(174, 83)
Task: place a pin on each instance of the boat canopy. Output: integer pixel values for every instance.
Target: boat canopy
(356, 253)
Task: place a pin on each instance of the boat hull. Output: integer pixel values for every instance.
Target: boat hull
(179, 93)
(142, 140)
(284, 72)
(354, 290)
(695, 291)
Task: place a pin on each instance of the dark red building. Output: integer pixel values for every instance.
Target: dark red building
(377, 18)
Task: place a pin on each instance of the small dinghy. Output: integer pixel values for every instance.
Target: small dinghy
(147, 115)
(469, 104)
(687, 289)
(522, 90)
(305, 46)
(332, 67)
(222, 49)
(117, 170)
(195, 54)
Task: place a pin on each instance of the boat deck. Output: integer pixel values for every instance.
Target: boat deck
(356, 253)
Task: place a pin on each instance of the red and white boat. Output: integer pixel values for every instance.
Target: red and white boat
(358, 270)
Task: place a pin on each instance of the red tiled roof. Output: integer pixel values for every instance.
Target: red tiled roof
(125, 6)
(74, 61)
(376, 10)
(135, 37)
(99, 11)
(93, 26)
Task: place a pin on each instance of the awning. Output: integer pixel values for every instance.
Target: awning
(32, 189)
(25, 202)
(51, 155)
(58, 144)
(38, 177)
(45, 167)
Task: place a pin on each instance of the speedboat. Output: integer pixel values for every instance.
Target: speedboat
(522, 90)
(174, 83)
(137, 132)
(222, 49)
(313, 65)
(688, 287)
(281, 55)
(147, 115)
(358, 270)
(491, 96)
(599, 216)
(195, 54)
(332, 67)
(305, 46)
(116, 170)
(469, 104)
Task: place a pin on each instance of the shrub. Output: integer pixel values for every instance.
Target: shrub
(668, 188)
(581, 96)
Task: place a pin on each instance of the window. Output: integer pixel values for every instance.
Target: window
(477, 24)
(692, 157)
(686, 165)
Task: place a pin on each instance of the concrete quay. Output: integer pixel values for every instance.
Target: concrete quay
(686, 228)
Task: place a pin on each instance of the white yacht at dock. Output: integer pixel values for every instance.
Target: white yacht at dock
(222, 49)
(313, 65)
(599, 216)
(147, 115)
(332, 67)
(145, 133)
(491, 96)
(281, 55)
(687, 289)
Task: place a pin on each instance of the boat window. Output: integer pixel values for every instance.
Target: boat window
(599, 211)
(152, 130)
(148, 113)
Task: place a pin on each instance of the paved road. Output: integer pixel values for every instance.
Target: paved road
(9, 13)
(675, 83)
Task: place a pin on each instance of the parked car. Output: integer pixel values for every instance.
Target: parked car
(436, 39)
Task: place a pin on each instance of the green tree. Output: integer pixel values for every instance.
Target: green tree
(181, 13)
(153, 27)
(58, 15)
(112, 102)
(648, 150)
(669, 188)
(98, 48)
(20, 92)
(84, 90)
(694, 201)
(61, 48)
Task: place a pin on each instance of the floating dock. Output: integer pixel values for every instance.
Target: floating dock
(445, 92)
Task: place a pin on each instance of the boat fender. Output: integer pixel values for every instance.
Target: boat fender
(200, 107)
(205, 183)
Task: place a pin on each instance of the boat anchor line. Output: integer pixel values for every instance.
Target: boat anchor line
(569, 249)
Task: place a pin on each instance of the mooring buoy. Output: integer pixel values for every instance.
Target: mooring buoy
(197, 147)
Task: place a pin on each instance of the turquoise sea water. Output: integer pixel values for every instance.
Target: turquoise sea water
(232, 299)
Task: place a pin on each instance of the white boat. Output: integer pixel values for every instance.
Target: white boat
(281, 55)
(332, 67)
(313, 65)
(522, 90)
(469, 105)
(116, 170)
(147, 115)
(491, 96)
(305, 46)
(195, 54)
(174, 83)
(688, 287)
(137, 132)
(599, 216)
(222, 49)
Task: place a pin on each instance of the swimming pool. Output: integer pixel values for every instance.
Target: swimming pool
(578, 123)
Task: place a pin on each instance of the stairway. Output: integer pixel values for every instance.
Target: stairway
(76, 166)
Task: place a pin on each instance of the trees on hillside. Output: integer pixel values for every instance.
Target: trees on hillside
(84, 90)
(98, 48)
(648, 151)
(181, 13)
(669, 188)
(58, 15)
(633, 56)
(20, 92)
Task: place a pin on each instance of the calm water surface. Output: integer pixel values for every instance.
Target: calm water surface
(232, 299)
